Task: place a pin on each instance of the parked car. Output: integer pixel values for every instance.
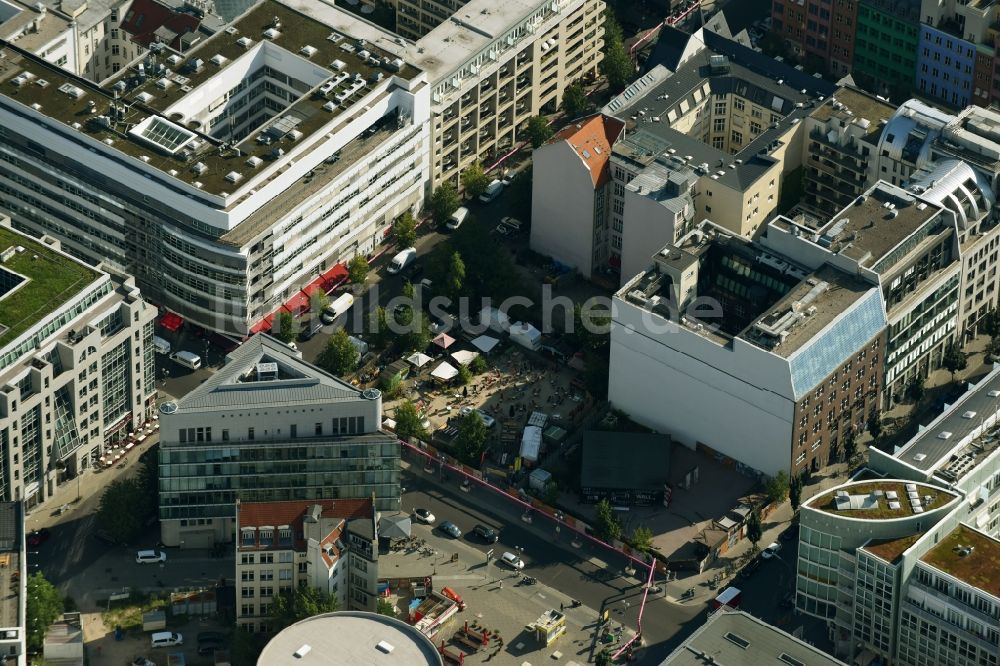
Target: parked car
(166, 639)
(106, 537)
(38, 537)
(208, 647)
(451, 529)
(771, 551)
(512, 560)
(424, 516)
(141, 661)
(150, 557)
(487, 534)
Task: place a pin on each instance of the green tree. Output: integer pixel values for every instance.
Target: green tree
(444, 202)
(339, 356)
(247, 647)
(417, 331)
(993, 350)
(385, 607)
(474, 180)
(795, 492)
(519, 197)
(298, 604)
(285, 328)
(575, 102)
(464, 375)
(45, 605)
(538, 130)
(642, 538)
(408, 421)
(607, 526)
(754, 530)
(990, 323)
(357, 269)
(470, 442)
(617, 65)
(124, 508)
(408, 291)
(478, 365)
(875, 427)
(850, 445)
(318, 301)
(379, 335)
(603, 658)
(777, 487)
(405, 229)
(454, 282)
(954, 359)
(551, 494)
(392, 386)
(915, 388)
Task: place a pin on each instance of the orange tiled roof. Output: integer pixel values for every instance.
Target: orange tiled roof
(292, 513)
(592, 139)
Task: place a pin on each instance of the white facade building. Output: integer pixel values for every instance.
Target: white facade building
(76, 374)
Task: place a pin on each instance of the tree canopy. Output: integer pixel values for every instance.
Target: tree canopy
(777, 487)
(339, 356)
(755, 531)
(45, 605)
(298, 604)
(379, 335)
(357, 269)
(642, 538)
(285, 328)
(405, 229)
(444, 202)
(408, 421)
(954, 359)
(474, 180)
(575, 102)
(124, 508)
(617, 65)
(607, 526)
(539, 130)
(454, 281)
(471, 439)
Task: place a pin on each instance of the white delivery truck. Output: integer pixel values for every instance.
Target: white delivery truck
(402, 260)
(493, 190)
(341, 305)
(162, 346)
(457, 218)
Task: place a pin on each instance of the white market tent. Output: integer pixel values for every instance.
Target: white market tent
(531, 443)
(418, 359)
(464, 356)
(485, 343)
(445, 371)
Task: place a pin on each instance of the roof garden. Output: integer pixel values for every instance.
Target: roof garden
(342, 71)
(35, 280)
(882, 500)
(891, 550)
(969, 556)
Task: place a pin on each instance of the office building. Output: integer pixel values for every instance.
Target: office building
(353, 637)
(228, 178)
(885, 46)
(710, 132)
(14, 577)
(268, 427)
(77, 369)
(904, 143)
(731, 636)
(328, 545)
(720, 325)
(900, 559)
(818, 31)
(840, 139)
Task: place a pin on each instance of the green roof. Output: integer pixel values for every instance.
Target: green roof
(51, 280)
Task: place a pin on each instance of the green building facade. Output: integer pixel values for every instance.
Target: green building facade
(885, 46)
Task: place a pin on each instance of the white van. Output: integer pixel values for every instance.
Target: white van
(167, 639)
(457, 218)
(160, 345)
(187, 359)
(337, 308)
(402, 260)
(150, 556)
(493, 190)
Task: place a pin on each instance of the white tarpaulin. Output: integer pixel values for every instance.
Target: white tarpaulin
(485, 343)
(531, 443)
(418, 359)
(464, 356)
(445, 371)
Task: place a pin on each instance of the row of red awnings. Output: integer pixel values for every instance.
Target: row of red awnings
(299, 302)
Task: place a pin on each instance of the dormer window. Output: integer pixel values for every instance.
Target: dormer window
(285, 535)
(248, 536)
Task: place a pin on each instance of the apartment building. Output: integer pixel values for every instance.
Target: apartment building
(229, 178)
(328, 545)
(14, 576)
(841, 135)
(416, 18)
(268, 427)
(709, 133)
(885, 46)
(955, 51)
(77, 369)
(897, 560)
(818, 29)
(904, 144)
(792, 355)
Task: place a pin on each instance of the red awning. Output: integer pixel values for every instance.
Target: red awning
(333, 277)
(264, 324)
(313, 287)
(171, 321)
(297, 304)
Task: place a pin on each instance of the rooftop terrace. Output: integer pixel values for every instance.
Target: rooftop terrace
(350, 70)
(881, 500)
(969, 556)
(35, 280)
(862, 105)
(891, 550)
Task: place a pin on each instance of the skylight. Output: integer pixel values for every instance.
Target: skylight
(162, 133)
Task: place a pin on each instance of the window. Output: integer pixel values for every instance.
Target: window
(738, 103)
(719, 125)
(267, 574)
(246, 576)
(319, 429)
(247, 592)
(737, 137)
(303, 567)
(250, 433)
(267, 558)
(247, 558)
(720, 108)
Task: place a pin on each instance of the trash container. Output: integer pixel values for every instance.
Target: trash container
(119, 634)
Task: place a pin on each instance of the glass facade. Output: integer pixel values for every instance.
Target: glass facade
(874, 606)
(204, 481)
(818, 573)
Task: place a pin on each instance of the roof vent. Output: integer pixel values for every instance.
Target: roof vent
(71, 90)
(302, 651)
(234, 176)
(271, 33)
(253, 161)
(219, 59)
(199, 168)
(164, 83)
(384, 646)
(245, 42)
(308, 51)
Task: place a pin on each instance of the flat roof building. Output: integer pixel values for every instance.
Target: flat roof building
(269, 427)
(351, 637)
(624, 468)
(77, 367)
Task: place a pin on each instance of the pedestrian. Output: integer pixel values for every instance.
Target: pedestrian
(562, 607)
(501, 585)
